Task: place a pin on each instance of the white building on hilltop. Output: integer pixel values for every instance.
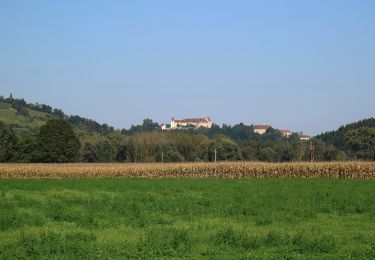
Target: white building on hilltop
(286, 133)
(191, 122)
(304, 137)
(261, 129)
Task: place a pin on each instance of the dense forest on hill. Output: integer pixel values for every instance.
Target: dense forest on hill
(40, 133)
(357, 140)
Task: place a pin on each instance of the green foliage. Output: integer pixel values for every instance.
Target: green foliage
(28, 150)
(316, 244)
(147, 126)
(268, 155)
(105, 152)
(191, 147)
(226, 149)
(361, 142)
(89, 153)
(86, 124)
(27, 117)
(249, 151)
(272, 135)
(121, 152)
(225, 219)
(20, 108)
(287, 154)
(8, 142)
(356, 139)
(57, 142)
(170, 154)
(26, 124)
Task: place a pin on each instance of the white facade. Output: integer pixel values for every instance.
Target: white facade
(193, 122)
(261, 129)
(304, 138)
(286, 133)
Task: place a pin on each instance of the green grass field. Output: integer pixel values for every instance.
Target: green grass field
(21, 124)
(165, 218)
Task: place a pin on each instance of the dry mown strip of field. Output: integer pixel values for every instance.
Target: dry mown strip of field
(352, 170)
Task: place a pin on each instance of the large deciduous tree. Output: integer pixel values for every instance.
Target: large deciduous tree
(57, 142)
(89, 153)
(226, 149)
(8, 142)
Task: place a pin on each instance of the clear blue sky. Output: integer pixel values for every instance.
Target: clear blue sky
(304, 65)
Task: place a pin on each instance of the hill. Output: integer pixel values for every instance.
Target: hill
(356, 139)
(26, 118)
(99, 142)
(22, 124)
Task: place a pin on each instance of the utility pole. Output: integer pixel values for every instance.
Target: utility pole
(215, 154)
(162, 156)
(312, 149)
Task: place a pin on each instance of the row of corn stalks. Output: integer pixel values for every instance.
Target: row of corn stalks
(350, 170)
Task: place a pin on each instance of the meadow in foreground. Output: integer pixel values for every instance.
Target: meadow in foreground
(170, 218)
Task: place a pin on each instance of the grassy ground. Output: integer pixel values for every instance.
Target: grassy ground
(171, 218)
(22, 124)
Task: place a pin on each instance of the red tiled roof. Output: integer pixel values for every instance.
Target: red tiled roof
(286, 131)
(192, 120)
(261, 126)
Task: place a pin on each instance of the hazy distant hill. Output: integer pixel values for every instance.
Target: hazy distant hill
(22, 124)
(337, 137)
(356, 139)
(25, 118)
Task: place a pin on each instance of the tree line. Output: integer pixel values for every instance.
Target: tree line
(58, 142)
(77, 139)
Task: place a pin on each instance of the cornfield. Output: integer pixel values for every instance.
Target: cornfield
(350, 170)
